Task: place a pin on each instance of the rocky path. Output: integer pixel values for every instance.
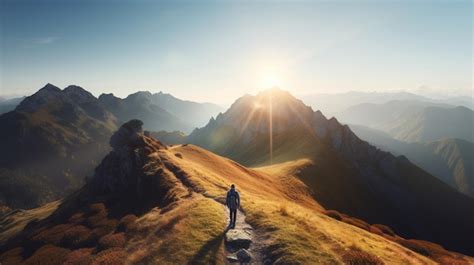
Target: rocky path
(241, 244)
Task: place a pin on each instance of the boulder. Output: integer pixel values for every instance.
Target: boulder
(243, 255)
(232, 258)
(237, 238)
(128, 135)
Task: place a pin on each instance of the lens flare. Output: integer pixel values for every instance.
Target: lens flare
(270, 81)
(270, 120)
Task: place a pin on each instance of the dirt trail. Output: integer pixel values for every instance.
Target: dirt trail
(255, 248)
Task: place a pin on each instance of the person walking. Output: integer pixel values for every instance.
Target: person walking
(233, 203)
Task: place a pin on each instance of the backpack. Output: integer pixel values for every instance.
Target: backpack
(232, 199)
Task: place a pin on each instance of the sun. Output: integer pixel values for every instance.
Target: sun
(270, 81)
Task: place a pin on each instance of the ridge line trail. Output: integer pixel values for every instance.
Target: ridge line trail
(256, 246)
(257, 239)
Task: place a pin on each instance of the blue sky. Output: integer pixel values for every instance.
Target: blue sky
(218, 50)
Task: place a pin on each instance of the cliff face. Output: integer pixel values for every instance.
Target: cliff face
(131, 173)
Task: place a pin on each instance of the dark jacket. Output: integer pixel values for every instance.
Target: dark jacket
(233, 199)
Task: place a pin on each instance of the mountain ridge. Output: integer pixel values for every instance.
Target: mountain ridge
(54, 138)
(180, 217)
(342, 164)
(50, 142)
(413, 122)
(448, 159)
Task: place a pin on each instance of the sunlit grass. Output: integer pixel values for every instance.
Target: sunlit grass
(289, 226)
(192, 231)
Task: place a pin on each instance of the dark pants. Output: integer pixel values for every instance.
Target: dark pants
(233, 217)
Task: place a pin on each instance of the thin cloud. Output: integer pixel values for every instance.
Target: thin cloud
(44, 40)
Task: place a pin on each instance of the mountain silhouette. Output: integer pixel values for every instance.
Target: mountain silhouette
(335, 103)
(413, 121)
(140, 105)
(195, 114)
(343, 172)
(10, 104)
(50, 143)
(160, 111)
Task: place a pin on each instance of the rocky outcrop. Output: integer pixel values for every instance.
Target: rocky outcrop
(238, 238)
(243, 255)
(128, 136)
(122, 170)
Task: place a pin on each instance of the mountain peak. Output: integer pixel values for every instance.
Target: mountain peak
(279, 104)
(140, 94)
(274, 92)
(49, 88)
(46, 94)
(78, 94)
(107, 96)
(140, 97)
(74, 88)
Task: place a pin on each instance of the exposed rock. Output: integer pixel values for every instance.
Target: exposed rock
(122, 169)
(128, 135)
(236, 239)
(232, 258)
(243, 255)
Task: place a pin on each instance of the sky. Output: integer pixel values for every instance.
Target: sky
(216, 51)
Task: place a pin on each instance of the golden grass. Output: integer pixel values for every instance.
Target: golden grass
(113, 256)
(192, 232)
(116, 240)
(189, 229)
(14, 222)
(76, 237)
(12, 256)
(294, 227)
(80, 256)
(127, 223)
(355, 256)
(48, 255)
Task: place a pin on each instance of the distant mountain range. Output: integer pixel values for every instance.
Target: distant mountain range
(342, 171)
(413, 121)
(50, 142)
(54, 138)
(332, 104)
(160, 111)
(7, 105)
(451, 160)
(437, 137)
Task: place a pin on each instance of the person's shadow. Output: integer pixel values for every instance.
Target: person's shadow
(210, 250)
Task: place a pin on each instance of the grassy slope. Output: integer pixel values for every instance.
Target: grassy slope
(12, 223)
(291, 224)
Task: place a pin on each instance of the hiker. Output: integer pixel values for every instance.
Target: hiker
(233, 202)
